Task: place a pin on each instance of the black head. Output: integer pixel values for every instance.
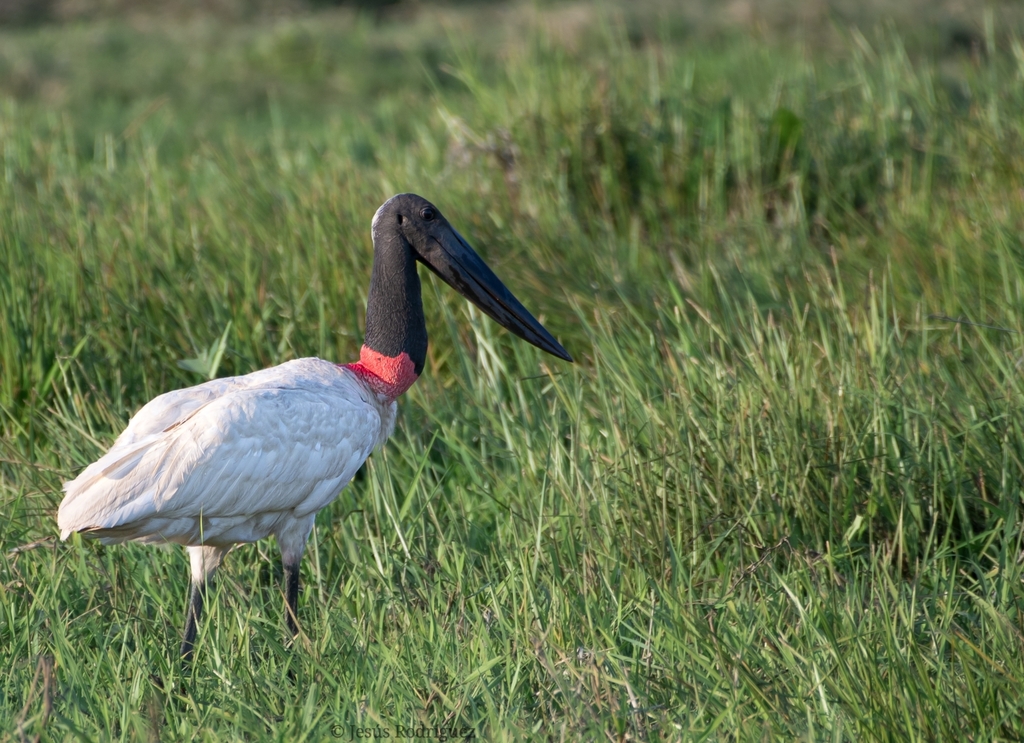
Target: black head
(412, 217)
(410, 222)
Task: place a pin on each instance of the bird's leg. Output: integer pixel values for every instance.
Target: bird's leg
(195, 611)
(205, 561)
(292, 541)
(291, 590)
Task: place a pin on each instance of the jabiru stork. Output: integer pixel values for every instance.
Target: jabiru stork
(238, 459)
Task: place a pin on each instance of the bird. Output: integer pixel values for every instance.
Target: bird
(238, 459)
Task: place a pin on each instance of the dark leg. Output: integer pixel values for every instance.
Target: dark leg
(205, 561)
(292, 541)
(195, 613)
(291, 590)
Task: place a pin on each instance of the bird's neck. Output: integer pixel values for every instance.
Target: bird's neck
(395, 348)
(386, 375)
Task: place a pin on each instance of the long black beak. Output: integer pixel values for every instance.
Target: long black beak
(450, 257)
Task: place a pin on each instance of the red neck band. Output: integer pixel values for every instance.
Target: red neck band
(385, 375)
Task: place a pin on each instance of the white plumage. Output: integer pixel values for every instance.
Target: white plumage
(232, 460)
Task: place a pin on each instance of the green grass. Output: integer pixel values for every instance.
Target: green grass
(777, 497)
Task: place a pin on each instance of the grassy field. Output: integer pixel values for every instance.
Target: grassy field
(778, 496)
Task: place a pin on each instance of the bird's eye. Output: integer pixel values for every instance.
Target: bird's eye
(428, 214)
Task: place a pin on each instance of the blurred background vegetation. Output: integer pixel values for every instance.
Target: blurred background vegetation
(779, 494)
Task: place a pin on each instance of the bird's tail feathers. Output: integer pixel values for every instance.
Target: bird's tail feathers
(96, 498)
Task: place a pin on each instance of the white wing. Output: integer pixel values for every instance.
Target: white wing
(229, 460)
(173, 407)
